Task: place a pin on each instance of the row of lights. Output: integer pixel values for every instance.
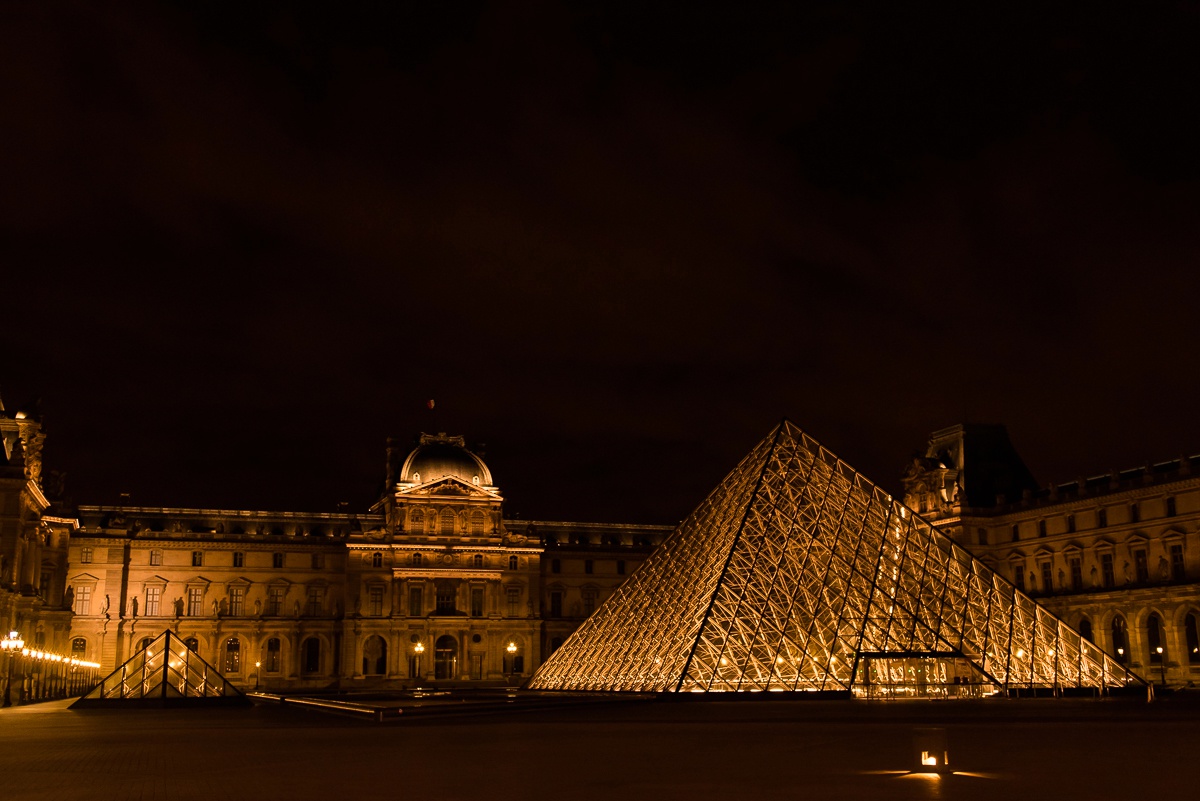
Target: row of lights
(13, 643)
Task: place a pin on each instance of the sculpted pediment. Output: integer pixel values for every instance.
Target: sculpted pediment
(451, 486)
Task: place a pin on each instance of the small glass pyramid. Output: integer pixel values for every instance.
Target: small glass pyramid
(165, 671)
(797, 574)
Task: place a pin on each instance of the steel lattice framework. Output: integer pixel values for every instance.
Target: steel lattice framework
(793, 572)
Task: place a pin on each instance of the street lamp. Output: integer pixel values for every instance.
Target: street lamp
(1162, 665)
(257, 671)
(11, 644)
(512, 660)
(418, 649)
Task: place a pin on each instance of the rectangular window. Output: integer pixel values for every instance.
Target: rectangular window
(1178, 571)
(1047, 578)
(620, 567)
(1076, 574)
(154, 601)
(1070, 524)
(85, 555)
(1102, 518)
(1106, 569)
(195, 601)
(237, 601)
(318, 561)
(555, 566)
(197, 558)
(275, 597)
(271, 663)
(83, 601)
(587, 565)
(512, 563)
(556, 604)
(477, 602)
(1135, 513)
(1019, 576)
(416, 603)
(589, 601)
(513, 596)
(156, 557)
(1041, 528)
(1016, 532)
(276, 560)
(239, 559)
(315, 597)
(1142, 566)
(1170, 507)
(445, 599)
(981, 534)
(375, 601)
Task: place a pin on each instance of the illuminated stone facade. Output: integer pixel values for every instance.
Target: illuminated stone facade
(430, 585)
(1117, 556)
(34, 536)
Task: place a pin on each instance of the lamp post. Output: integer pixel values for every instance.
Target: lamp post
(1162, 665)
(512, 657)
(257, 672)
(418, 649)
(11, 645)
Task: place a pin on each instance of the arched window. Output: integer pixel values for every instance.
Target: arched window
(192, 644)
(374, 656)
(1191, 629)
(1085, 629)
(1154, 639)
(79, 648)
(512, 563)
(445, 654)
(416, 560)
(1120, 640)
(271, 663)
(145, 643)
(477, 522)
(555, 644)
(233, 655)
(377, 559)
(312, 656)
(477, 560)
(447, 518)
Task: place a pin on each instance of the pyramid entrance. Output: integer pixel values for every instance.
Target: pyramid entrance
(163, 673)
(797, 574)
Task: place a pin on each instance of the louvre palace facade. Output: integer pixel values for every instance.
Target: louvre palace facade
(432, 585)
(1116, 556)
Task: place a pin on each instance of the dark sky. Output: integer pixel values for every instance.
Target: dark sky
(240, 248)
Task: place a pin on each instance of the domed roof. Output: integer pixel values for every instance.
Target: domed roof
(438, 456)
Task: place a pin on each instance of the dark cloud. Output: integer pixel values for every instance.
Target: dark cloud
(616, 243)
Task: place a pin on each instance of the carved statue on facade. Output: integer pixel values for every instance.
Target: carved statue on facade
(69, 598)
(133, 606)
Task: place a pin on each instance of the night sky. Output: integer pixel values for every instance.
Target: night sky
(241, 248)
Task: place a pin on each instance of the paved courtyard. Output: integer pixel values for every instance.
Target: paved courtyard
(622, 750)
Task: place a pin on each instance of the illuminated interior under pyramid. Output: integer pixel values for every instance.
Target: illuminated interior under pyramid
(797, 574)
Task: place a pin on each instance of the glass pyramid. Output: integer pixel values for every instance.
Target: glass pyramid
(166, 670)
(797, 574)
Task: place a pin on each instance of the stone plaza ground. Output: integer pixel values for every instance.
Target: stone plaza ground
(761, 749)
